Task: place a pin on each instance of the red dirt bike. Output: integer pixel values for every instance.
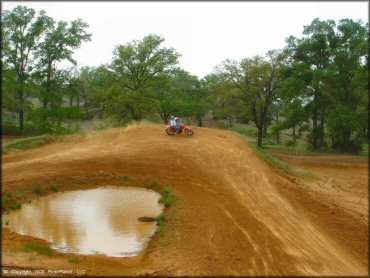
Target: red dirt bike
(171, 131)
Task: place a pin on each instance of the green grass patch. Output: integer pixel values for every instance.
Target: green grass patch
(279, 164)
(123, 180)
(153, 184)
(273, 161)
(37, 190)
(73, 260)
(365, 150)
(10, 203)
(166, 192)
(19, 196)
(54, 186)
(15, 206)
(45, 250)
(161, 219)
(167, 198)
(4, 203)
(168, 201)
(247, 131)
(28, 143)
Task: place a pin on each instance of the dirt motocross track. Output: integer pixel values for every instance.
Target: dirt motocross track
(235, 214)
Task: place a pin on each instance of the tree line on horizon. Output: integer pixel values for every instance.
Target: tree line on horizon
(316, 86)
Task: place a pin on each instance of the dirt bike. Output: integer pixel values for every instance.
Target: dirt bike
(171, 131)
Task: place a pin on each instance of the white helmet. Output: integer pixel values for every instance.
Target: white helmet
(172, 117)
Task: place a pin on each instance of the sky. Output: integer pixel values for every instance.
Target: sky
(204, 33)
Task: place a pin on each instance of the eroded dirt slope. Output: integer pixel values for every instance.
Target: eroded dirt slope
(236, 216)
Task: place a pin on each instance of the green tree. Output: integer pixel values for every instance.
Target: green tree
(222, 98)
(348, 82)
(101, 81)
(21, 33)
(193, 95)
(257, 80)
(295, 97)
(138, 66)
(314, 50)
(60, 41)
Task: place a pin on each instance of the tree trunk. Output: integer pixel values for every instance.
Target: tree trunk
(21, 110)
(314, 121)
(294, 137)
(200, 123)
(78, 101)
(278, 132)
(230, 122)
(260, 135)
(70, 101)
(164, 117)
(346, 140)
(45, 100)
(265, 130)
(322, 132)
(213, 115)
(86, 109)
(101, 115)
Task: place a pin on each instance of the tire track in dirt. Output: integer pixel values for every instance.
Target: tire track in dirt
(235, 220)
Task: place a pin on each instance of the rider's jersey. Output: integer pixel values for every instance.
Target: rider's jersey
(175, 121)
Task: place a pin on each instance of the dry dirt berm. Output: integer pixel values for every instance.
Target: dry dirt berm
(235, 214)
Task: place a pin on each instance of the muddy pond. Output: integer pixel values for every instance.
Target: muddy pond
(94, 221)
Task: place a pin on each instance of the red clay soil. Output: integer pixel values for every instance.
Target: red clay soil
(235, 214)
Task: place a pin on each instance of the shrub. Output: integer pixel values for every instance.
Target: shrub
(168, 201)
(166, 198)
(15, 206)
(39, 248)
(123, 180)
(4, 204)
(54, 186)
(166, 192)
(37, 190)
(154, 184)
(161, 219)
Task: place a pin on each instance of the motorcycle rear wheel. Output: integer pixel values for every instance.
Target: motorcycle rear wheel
(169, 132)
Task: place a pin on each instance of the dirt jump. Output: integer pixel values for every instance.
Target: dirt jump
(235, 215)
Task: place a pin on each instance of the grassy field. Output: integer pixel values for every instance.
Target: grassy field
(286, 146)
(272, 160)
(28, 143)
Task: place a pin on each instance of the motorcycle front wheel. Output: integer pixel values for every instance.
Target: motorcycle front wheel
(188, 132)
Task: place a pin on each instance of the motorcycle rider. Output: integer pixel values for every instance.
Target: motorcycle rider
(172, 122)
(177, 123)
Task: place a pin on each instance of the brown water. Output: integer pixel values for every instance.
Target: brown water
(95, 221)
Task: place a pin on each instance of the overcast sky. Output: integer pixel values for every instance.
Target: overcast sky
(204, 33)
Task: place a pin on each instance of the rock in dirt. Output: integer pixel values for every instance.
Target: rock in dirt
(146, 219)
